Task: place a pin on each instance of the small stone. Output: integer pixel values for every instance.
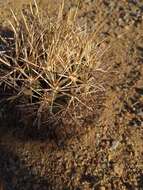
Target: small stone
(102, 188)
(119, 168)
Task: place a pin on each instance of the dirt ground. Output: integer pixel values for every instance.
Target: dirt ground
(108, 154)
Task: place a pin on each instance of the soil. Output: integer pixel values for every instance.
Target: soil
(108, 154)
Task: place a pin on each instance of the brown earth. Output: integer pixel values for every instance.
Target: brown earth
(108, 154)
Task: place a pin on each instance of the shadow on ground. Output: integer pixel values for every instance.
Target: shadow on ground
(16, 175)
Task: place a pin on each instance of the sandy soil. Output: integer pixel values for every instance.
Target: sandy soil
(108, 155)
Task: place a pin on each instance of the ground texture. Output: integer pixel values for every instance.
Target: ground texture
(108, 153)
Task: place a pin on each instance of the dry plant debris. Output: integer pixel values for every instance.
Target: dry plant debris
(49, 65)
